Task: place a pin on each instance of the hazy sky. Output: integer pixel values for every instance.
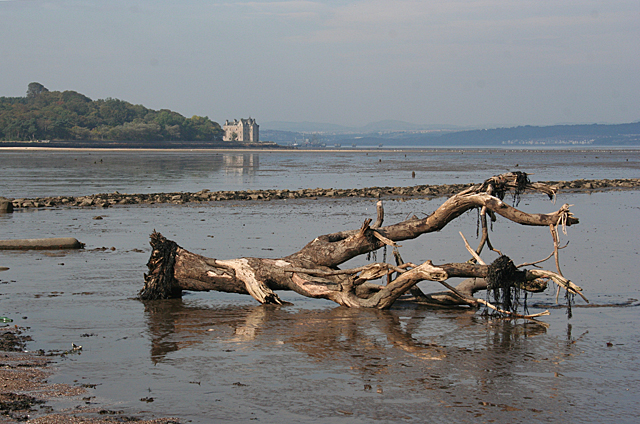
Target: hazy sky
(348, 62)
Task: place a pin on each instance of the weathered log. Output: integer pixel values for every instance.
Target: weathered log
(41, 244)
(313, 271)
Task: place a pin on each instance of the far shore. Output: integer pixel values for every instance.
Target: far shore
(225, 150)
(368, 149)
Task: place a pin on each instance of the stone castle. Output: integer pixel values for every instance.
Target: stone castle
(243, 130)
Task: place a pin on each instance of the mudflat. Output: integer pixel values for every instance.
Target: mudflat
(26, 390)
(222, 357)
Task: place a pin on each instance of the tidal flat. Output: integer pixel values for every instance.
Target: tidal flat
(214, 356)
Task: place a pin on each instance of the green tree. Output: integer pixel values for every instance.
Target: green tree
(69, 115)
(173, 131)
(201, 128)
(80, 133)
(35, 88)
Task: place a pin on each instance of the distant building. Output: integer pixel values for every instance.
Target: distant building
(243, 130)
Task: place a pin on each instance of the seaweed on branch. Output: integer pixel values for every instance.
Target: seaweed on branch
(502, 283)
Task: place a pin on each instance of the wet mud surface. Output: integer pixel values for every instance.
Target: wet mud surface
(26, 393)
(216, 356)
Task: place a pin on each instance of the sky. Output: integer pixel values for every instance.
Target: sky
(479, 63)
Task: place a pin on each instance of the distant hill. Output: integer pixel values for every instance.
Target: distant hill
(388, 125)
(554, 135)
(54, 116)
(282, 137)
(303, 127)
(593, 134)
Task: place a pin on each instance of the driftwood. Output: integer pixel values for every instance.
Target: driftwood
(41, 244)
(314, 270)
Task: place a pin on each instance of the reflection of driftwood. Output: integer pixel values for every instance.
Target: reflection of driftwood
(629, 303)
(313, 271)
(329, 333)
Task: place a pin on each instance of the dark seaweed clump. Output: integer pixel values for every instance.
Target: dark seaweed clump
(15, 405)
(503, 279)
(12, 342)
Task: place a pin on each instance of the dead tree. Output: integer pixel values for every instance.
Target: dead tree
(314, 270)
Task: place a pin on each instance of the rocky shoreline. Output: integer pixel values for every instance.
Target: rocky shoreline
(106, 200)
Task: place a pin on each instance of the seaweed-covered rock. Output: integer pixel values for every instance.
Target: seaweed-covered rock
(6, 206)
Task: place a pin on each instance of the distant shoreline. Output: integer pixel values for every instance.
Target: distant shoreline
(44, 146)
(187, 149)
(329, 150)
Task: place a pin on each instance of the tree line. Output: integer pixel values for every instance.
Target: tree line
(69, 115)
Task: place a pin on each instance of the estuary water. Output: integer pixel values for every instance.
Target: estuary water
(213, 357)
(73, 173)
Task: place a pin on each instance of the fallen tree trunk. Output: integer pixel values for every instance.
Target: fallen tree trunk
(41, 244)
(314, 270)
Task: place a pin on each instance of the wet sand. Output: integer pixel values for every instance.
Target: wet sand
(26, 392)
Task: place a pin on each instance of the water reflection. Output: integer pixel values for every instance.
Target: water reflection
(240, 168)
(75, 173)
(506, 335)
(337, 333)
(241, 164)
(81, 173)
